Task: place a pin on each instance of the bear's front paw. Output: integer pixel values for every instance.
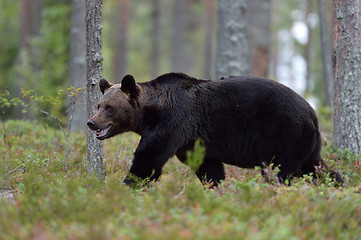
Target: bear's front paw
(133, 181)
(130, 183)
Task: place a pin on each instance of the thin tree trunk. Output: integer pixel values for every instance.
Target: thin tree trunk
(308, 47)
(209, 19)
(77, 68)
(155, 51)
(274, 50)
(30, 26)
(178, 55)
(121, 52)
(347, 67)
(259, 18)
(25, 23)
(233, 47)
(326, 52)
(94, 60)
(36, 15)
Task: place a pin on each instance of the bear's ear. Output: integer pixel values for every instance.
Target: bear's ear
(129, 86)
(104, 85)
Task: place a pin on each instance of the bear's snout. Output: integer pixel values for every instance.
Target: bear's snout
(91, 124)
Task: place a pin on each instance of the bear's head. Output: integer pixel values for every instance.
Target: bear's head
(117, 108)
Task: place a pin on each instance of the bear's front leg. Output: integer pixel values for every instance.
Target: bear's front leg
(152, 153)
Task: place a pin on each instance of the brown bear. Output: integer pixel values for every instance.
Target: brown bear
(243, 121)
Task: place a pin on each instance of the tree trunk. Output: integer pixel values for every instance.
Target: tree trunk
(259, 18)
(326, 52)
(233, 47)
(208, 51)
(36, 16)
(77, 68)
(308, 47)
(94, 60)
(178, 56)
(30, 20)
(30, 26)
(25, 23)
(121, 52)
(155, 51)
(347, 67)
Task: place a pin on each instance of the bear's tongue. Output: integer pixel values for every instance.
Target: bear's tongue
(104, 132)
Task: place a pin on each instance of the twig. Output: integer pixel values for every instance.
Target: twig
(18, 168)
(181, 193)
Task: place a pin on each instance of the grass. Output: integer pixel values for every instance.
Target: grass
(54, 202)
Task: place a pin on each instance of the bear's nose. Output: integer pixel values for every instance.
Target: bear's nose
(91, 124)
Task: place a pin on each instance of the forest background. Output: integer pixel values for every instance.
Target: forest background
(148, 38)
(46, 190)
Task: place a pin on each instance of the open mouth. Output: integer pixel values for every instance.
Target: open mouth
(102, 133)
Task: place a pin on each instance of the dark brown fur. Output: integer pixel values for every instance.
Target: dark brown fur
(243, 121)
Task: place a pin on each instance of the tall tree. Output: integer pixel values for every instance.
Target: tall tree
(326, 52)
(155, 51)
(259, 22)
(233, 47)
(25, 22)
(347, 67)
(30, 25)
(209, 19)
(308, 46)
(178, 56)
(30, 20)
(121, 52)
(94, 60)
(77, 72)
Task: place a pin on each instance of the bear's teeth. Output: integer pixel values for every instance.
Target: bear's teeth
(103, 132)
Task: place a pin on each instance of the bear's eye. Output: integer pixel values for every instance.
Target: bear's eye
(109, 108)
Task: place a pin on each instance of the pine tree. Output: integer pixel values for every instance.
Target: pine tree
(347, 67)
(94, 60)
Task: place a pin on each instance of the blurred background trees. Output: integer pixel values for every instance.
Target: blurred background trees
(287, 42)
(147, 38)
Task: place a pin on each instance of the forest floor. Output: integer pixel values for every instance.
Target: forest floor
(50, 195)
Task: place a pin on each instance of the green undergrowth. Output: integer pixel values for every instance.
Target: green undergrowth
(55, 198)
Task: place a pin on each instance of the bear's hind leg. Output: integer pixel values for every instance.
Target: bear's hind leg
(311, 166)
(211, 171)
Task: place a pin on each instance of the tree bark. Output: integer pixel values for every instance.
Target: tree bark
(94, 60)
(208, 51)
(233, 47)
(326, 52)
(259, 18)
(155, 51)
(121, 52)
(77, 68)
(347, 67)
